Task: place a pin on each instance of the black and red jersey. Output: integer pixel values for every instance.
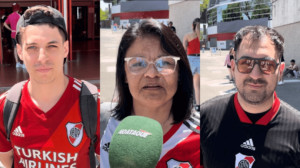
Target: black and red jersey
(229, 139)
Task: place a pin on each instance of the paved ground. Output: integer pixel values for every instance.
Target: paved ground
(109, 43)
(214, 81)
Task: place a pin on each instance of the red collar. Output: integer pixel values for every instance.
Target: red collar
(265, 119)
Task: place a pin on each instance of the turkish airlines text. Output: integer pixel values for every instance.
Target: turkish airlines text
(32, 158)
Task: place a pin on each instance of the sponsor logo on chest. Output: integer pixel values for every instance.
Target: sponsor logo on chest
(33, 158)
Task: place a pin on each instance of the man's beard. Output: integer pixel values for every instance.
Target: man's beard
(255, 97)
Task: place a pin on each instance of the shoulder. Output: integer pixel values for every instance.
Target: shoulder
(193, 123)
(108, 133)
(110, 128)
(212, 111)
(290, 113)
(2, 102)
(214, 104)
(77, 85)
(13, 94)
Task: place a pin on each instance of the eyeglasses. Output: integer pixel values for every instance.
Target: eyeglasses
(266, 65)
(164, 65)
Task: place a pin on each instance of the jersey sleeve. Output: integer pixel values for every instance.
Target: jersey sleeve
(105, 142)
(97, 143)
(5, 145)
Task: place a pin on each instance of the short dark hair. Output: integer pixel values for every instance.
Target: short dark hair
(170, 22)
(171, 44)
(258, 32)
(31, 11)
(196, 20)
(293, 60)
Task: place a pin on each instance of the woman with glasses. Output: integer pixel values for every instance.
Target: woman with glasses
(191, 43)
(154, 80)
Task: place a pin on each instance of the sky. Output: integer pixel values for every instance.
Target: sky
(103, 5)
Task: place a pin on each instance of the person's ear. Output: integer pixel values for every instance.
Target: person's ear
(66, 48)
(232, 67)
(19, 51)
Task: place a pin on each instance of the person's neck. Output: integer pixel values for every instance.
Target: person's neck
(258, 108)
(161, 114)
(45, 96)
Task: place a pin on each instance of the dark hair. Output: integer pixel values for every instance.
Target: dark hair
(257, 33)
(197, 20)
(31, 11)
(170, 43)
(293, 60)
(170, 23)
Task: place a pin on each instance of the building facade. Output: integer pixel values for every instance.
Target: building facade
(128, 12)
(226, 17)
(182, 13)
(287, 22)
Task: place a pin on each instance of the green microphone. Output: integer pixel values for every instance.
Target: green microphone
(136, 143)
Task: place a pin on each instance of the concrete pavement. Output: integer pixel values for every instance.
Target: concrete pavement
(109, 43)
(215, 81)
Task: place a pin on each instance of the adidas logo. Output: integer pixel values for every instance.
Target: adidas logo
(106, 147)
(248, 144)
(18, 132)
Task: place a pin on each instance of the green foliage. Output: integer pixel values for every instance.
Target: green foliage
(204, 5)
(246, 8)
(252, 9)
(114, 2)
(256, 9)
(212, 17)
(232, 13)
(103, 14)
(201, 35)
(261, 11)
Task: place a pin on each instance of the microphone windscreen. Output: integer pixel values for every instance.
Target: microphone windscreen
(136, 143)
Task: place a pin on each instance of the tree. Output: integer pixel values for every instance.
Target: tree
(201, 35)
(246, 8)
(261, 10)
(212, 17)
(256, 9)
(232, 13)
(204, 5)
(103, 14)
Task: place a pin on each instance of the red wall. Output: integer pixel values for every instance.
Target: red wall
(222, 37)
(143, 15)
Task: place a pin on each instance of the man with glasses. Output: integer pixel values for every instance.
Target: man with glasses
(252, 128)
